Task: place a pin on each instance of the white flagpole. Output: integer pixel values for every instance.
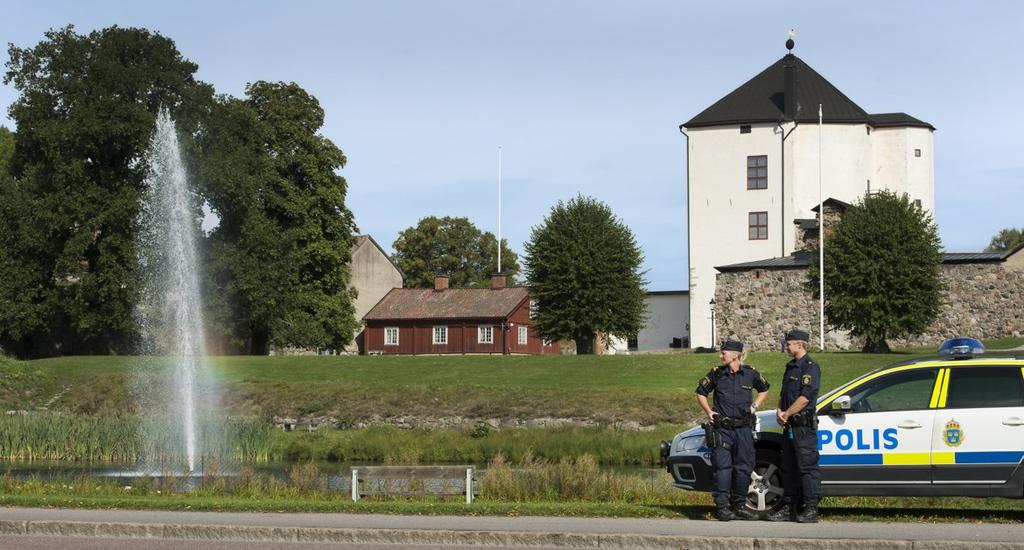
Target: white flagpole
(499, 209)
(821, 245)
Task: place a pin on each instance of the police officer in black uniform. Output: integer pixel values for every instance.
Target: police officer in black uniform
(796, 413)
(731, 422)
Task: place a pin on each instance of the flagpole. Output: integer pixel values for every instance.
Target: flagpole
(821, 245)
(499, 209)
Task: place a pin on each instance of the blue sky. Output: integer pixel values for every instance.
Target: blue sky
(586, 97)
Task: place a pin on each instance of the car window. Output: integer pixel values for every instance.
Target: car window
(900, 391)
(982, 387)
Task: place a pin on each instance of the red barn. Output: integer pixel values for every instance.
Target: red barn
(444, 320)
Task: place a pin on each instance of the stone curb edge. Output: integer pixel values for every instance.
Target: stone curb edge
(463, 538)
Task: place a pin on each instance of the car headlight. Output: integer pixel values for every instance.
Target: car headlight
(690, 444)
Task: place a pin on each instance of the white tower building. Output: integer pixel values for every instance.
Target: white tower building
(753, 170)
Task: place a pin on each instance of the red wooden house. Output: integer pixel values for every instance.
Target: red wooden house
(444, 320)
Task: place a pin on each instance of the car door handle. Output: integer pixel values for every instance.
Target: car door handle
(1013, 421)
(909, 424)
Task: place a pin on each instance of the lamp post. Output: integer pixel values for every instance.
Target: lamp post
(712, 304)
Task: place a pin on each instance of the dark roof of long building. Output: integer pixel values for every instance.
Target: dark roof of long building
(667, 292)
(802, 259)
(762, 99)
(450, 303)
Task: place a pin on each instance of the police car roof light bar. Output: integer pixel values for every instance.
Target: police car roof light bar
(961, 348)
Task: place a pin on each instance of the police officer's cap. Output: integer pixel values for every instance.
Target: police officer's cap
(732, 345)
(798, 335)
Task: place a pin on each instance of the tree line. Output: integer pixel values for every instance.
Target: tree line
(276, 267)
(71, 176)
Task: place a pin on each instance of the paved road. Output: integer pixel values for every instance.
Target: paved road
(968, 532)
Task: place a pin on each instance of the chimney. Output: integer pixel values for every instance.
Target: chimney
(440, 282)
(789, 76)
(497, 281)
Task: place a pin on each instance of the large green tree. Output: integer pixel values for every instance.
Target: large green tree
(278, 262)
(583, 265)
(882, 270)
(452, 246)
(1005, 240)
(85, 113)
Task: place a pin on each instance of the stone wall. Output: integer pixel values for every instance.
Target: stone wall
(983, 300)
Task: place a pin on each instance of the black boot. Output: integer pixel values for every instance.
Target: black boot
(725, 514)
(809, 515)
(785, 513)
(742, 512)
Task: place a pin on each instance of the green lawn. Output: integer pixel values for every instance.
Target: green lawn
(649, 389)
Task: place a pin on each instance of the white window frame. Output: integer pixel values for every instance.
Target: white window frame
(524, 334)
(546, 342)
(440, 335)
(534, 308)
(387, 332)
(480, 334)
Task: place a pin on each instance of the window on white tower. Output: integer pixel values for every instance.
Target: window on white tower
(757, 226)
(757, 172)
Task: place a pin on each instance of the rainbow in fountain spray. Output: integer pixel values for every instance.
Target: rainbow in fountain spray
(170, 305)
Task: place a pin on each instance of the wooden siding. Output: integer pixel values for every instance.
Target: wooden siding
(416, 337)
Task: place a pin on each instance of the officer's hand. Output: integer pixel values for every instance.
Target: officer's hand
(711, 416)
(781, 416)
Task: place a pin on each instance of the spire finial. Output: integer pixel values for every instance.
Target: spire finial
(789, 40)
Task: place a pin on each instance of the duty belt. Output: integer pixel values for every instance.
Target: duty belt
(732, 422)
(803, 419)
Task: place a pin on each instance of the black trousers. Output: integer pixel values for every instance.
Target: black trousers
(733, 462)
(801, 477)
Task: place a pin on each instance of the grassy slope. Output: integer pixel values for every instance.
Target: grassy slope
(649, 389)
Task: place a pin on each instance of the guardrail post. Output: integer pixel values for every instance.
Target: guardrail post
(469, 485)
(355, 485)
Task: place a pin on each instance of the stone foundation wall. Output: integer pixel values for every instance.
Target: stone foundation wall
(983, 300)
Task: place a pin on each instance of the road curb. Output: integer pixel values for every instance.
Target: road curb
(438, 537)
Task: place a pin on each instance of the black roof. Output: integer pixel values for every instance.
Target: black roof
(667, 292)
(761, 99)
(883, 120)
(833, 203)
(972, 257)
(802, 258)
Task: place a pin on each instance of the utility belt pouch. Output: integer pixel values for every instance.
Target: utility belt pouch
(711, 436)
(804, 419)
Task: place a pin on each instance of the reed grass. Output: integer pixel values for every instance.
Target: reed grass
(121, 439)
(136, 440)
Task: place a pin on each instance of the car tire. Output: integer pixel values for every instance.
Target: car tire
(765, 494)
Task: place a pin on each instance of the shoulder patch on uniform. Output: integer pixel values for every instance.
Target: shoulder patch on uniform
(806, 379)
(705, 382)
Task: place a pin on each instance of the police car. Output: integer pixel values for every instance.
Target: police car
(946, 425)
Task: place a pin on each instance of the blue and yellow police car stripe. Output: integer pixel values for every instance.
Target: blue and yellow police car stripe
(922, 459)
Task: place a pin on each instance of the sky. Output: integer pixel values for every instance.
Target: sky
(586, 97)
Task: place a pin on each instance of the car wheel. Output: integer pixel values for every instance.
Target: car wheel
(765, 494)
